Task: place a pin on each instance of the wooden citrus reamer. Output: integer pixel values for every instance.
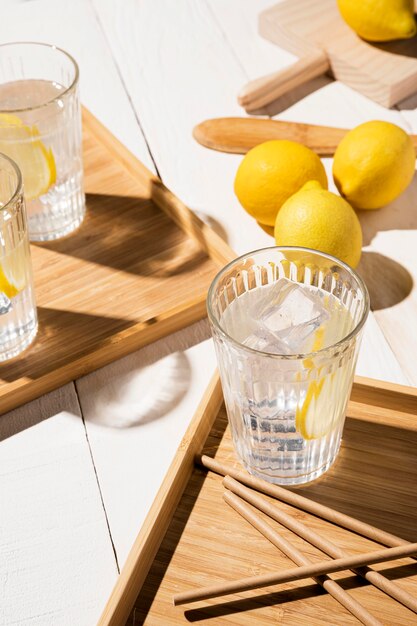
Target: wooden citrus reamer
(316, 33)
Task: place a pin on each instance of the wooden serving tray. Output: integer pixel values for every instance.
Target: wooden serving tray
(191, 538)
(136, 270)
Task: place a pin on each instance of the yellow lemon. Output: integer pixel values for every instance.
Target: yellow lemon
(272, 172)
(379, 20)
(318, 219)
(373, 164)
(36, 162)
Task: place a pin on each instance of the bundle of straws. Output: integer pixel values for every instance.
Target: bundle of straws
(242, 493)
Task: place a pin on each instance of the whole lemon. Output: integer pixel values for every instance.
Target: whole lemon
(318, 219)
(373, 164)
(272, 172)
(379, 20)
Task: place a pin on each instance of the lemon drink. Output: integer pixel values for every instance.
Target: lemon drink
(40, 128)
(18, 320)
(286, 324)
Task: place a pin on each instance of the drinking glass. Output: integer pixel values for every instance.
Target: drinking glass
(287, 325)
(40, 129)
(18, 320)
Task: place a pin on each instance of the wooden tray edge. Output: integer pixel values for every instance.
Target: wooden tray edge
(141, 335)
(117, 610)
(147, 542)
(215, 247)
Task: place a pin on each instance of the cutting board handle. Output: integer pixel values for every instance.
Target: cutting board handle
(262, 91)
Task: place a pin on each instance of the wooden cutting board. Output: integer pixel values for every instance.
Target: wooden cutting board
(192, 538)
(315, 32)
(136, 270)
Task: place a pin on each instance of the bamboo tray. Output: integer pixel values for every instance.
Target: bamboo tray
(191, 538)
(136, 270)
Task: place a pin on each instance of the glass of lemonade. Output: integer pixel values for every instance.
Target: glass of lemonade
(287, 325)
(18, 321)
(40, 129)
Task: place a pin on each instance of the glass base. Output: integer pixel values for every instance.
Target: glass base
(56, 214)
(57, 234)
(288, 480)
(23, 344)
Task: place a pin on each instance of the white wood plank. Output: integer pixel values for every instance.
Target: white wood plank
(187, 73)
(201, 80)
(57, 564)
(136, 411)
(73, 26)
(336, 104)
(30, 414)
(179, 68)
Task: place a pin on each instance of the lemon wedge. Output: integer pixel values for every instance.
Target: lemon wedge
(312, 420)
(22, 144)
(13, 266)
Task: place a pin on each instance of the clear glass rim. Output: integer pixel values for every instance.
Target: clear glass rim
(214, 321)
(19, 182)
(58, 96)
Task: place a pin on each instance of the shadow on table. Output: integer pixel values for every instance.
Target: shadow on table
(292, 97)
(388, 282)
(132, 235)
(398, 215)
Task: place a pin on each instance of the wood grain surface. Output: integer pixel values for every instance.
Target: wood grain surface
(373, 479)
(126, 277)
(384, 72)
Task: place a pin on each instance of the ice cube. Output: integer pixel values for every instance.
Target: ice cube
(5, 304)
(265, 341)
(287, 316)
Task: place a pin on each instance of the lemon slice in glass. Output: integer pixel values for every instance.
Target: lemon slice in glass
(22, 144)
(13, 266)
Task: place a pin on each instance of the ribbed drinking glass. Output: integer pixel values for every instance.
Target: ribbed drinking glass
(287, 325)
(18, 321)
(40, 128)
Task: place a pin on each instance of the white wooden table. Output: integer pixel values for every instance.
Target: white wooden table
(80, 467)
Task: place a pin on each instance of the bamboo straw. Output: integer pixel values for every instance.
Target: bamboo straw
(323, 544)
(331, 586)
(297, 573)
(300, 502)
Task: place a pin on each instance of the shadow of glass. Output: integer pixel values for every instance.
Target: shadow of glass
(388, 454)
(388, 282)
(141, 396)
(133, 235)
(64, 333)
